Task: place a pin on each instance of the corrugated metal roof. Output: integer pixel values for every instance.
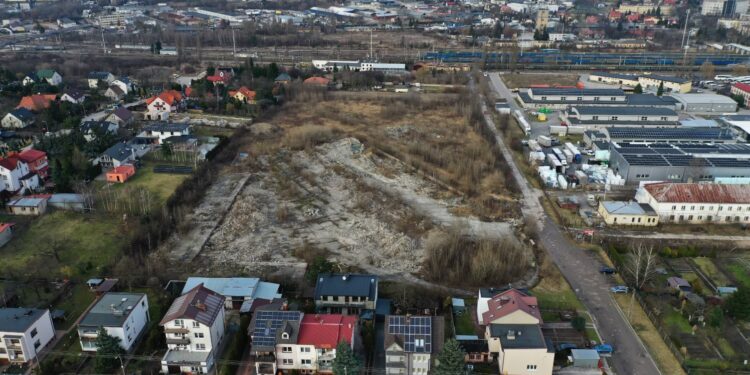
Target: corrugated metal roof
(624, 111)
(699, 193)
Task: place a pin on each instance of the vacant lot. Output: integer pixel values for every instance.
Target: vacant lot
(526, 80)
(367, 180)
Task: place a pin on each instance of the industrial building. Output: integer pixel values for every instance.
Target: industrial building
(647, 81)
(705, 103)
(674, 162)
(697, 203)
(628, 213)
(739, 123)
(359, 66)
(598, 117)
(561, 98)
(620, 134)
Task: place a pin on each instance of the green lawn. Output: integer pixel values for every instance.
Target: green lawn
(74, 304)
(740, 272)
(676, 320)
(160, 184)
(464, 325)
(84, 242)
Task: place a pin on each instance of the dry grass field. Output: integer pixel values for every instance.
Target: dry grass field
(526, 80)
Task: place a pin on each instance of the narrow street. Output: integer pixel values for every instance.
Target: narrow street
(579, 267)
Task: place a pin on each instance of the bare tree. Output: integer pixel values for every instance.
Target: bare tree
(640, 268)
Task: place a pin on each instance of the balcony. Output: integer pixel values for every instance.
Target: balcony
(178, 340)
(176, 330)
(89, 334)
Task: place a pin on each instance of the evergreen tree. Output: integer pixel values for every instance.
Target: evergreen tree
(451, 360)
(346, 362)
(638, 89)
(107, 350)
(738, 304)
(660, 90)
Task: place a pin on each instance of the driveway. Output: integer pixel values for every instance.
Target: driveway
(580, 268)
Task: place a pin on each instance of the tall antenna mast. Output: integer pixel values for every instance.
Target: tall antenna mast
(104, 44)
(684, 31)
(371, 55)
(234, 45)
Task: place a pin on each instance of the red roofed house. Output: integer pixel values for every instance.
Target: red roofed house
(743, 90)
(510, 306)
(222, 76)
(160, 106)
(614, 15)
(690, 203)
(313, 347)
(16, 176)
(121, 173)
(37, 162)
(317, 81)
(37, 102)
(243, 94)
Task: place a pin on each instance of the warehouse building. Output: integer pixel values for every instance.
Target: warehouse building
(739, 123)
(628, 213)
(672, 162)
(705, 103)
(697, 203)
(561, 98)
(581, 118)
(621, 134)
(647, 81)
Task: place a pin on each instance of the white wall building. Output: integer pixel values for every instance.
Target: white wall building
(194, 330)
(122, 315)
(692, 203)
(13, 173)
(311, 347)
(23, 333)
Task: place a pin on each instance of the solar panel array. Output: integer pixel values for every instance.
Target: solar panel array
(416, 332)
(668, 133)
(267, 323)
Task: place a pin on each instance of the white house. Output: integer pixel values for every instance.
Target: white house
(115, 156)
(23, 333)
(194, 329)
(411, 342)
(95, 77)
(73, 96)
(124, 84)
(311, 348)
(91, 129)
(16, 175)
(114, 93)
(159, 107)
(45, 75)
(692, 203)
(160, 132)
(18, 118)
(121, 315)
(237, 291)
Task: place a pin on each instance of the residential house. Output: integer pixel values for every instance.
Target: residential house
(267, 328)
(243, 94)
(121, 315)
(513, 330)
(742, 90)
(18, 118)
(36, 161)
(679, 283)
(237, 291)
(121, 174)
(49, 76)
(95, 77)
(346, 293)
(317, 81)
(36, 102)
(24, 332)
(283, 79)
(27, 206)
(124, 83)
(30, 79)
(114, 93)
(194, 330)
(697, 203)
(160, 106)
(117, 155)
(121, 116)
(411, 342)
(16, 175)
(159, 132)
(628, 213)
(92, 129)
(6, 233)
(73, 96)
(311, 348)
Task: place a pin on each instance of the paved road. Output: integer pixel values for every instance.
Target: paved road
(580, 269)
(537, 128)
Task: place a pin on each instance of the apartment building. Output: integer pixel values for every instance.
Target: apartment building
(121, 315)
(695, 203)
(23, 333)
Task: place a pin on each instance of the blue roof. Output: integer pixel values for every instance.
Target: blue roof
(120, 152)
(250, 287)
(27, 202)
(22, 114)
(18, 319)
(351, 285)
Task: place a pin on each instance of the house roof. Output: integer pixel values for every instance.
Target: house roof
(624, 111)
(168, 96)
(629, 77)
(250, 94)
(326, 330)
(200, 304)
(268, 324)
(523, 336)
(167, 127)
(97, 126)
(45, 73)
(283, 77)
(117, 90)
(508, 302)
(249, 287)
(9, 163)
(99, 75)
(119, 151)
(22, 114)
(4, 226)
(699, 193)
(125, 168)
(742, 86)
(414, 334)
(112, 310)
(704, 98)
(37, 102)
(122, 113)
(18, 319)
(75, 94)
(628, 208)
(27, 202)
(352, 285)
(650, 99)
(665, 78)
(31, 155)
(678, 281)
(317, 81)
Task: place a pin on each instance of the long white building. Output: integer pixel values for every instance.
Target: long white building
(691, 203)
(23, 333)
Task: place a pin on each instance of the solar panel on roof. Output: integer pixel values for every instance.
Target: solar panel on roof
(267, 322)
(416, 332)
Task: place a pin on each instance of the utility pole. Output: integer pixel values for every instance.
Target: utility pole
(371, 55)
(104, 44)
(684, 31)
(234, 45)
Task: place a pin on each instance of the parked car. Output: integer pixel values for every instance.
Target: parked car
(604, 349)
(619, 289)
(607, 270)
(566, 346)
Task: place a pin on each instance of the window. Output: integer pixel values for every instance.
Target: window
(690, 217)
(562, 98)
(544, 98)
(37, 344)
(682, 208)
(306, 361)
(692, 208)
(614, 118)
(644, 118)
(198, 335)
(304, 349)
(595, 118)
(33, 332)
(729, 208)
(196, 324)
(596, 98)
(286, 349)
(179, 323)
(287, 361)
(580, 98)
(664, 118)
(127, 326)
(674, 208)
(613, 99)
(531, 367)
(200, 346)
(702, 208)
